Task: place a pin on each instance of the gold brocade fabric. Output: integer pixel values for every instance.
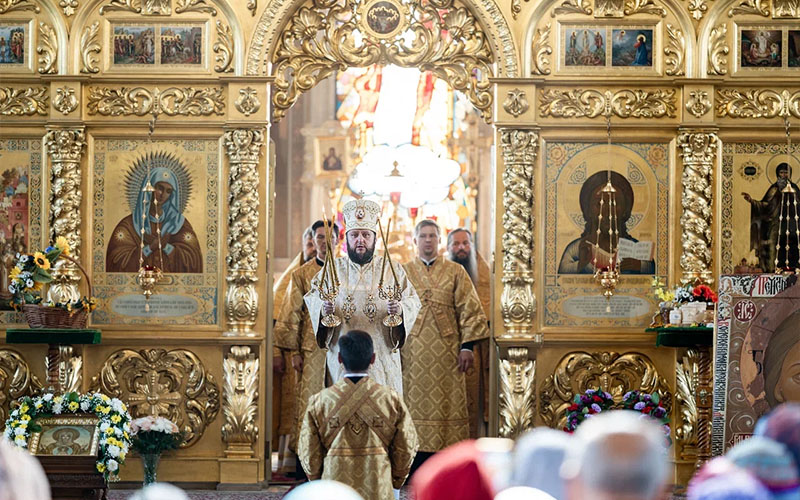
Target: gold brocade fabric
(435, 390)
(294, 335)
(285, 385)
(358, 293)
(478, 376)
(359, 434)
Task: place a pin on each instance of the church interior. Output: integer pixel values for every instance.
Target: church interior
(625, 172)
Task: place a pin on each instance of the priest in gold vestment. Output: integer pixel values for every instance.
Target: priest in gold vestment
(294, 334)
(284, 391)
(438, 351)
(461, 250)
(358, 303)
(357, 431)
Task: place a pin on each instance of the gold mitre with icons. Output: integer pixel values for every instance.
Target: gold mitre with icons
(361, 214)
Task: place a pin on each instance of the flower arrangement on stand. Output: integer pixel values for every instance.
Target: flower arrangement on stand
(685, 304)
(152, 436)
(114, 423)
(650, 405)
(27, 279)
(585, 405)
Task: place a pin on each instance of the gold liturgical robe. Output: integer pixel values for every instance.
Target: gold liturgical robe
(360, 308)
(284, 386)
(359, 434)
(295, 335)
(478, 376)
(435, 390)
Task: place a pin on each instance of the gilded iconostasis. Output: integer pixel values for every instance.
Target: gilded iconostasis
(684, 107)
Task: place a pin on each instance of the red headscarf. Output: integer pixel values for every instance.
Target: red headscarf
(455, 473)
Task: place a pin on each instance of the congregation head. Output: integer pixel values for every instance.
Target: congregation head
(617, 455)
(160, 491)
(537, 460)
(323, 489)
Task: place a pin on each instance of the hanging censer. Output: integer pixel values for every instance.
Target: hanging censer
(788, 214)
(607, 275)
(149, 275)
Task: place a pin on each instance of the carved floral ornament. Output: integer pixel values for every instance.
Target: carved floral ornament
(610, 371)
(758, 103)
(140, 101)
(173, 384)
(593, 103)
(324, 36)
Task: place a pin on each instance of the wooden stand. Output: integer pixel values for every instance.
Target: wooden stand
(74, 478)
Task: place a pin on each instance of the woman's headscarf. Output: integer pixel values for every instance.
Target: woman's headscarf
(771, 463)
(523, 493)
(21, 475)
(538, 456)
(171, 219)
(323, 489)
(783, 425)
(455, 473)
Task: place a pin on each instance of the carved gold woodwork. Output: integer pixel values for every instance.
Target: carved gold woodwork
(320, 40)
(698, 9)
(68, 6)
(541, 49)
(158, 7)
(90, 45)
(756, 7)
(17, 5)
(223, 48)
(240, 402)
(16, 380)
(243, 147)
(65, 148)
(173, 384)
(610, 371)
(516, 102)
(23, 102)
(622, 103)
(718, 50)
(785, 9)
(609, 8)
(686, 382)
(644, 7)
(65, 101)
(764, 103)
(64, 369)
(47, 49)
(675, 52)
(517, 302)
(139, 101)
(698, 150)
(573, 7)
(134, 6)
(182, 6)
(698, 103)
(248, 102)
(517, 392)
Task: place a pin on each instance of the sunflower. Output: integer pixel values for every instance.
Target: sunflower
(63, 245)
(41, 261)
(14, 273)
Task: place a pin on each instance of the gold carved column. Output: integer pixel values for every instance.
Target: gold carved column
(517, 399)
(698, 149)
(243, 147)
(65, 148)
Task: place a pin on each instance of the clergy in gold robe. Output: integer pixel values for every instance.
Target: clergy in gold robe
(358, 432)
(284, 391)
(461, 250)
(438, 349)
(358, 302)
(294, 334)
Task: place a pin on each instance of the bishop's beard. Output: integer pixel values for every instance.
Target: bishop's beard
(470, 264)
(360, 259)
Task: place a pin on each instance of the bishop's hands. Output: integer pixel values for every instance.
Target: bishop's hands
(466, 359)
(278, 365)
(297, 363)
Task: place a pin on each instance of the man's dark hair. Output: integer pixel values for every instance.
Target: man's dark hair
(456, 231)
(321, 223)
(783, 166)
(356, 350)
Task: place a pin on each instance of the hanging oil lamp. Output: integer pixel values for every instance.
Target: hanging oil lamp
(607, 274)
(149, 275)
(788, 213)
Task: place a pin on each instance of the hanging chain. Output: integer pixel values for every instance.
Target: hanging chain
(788, 203)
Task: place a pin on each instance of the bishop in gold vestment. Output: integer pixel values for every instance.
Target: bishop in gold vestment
(358, 432)
(358, 303)
(451, 319)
